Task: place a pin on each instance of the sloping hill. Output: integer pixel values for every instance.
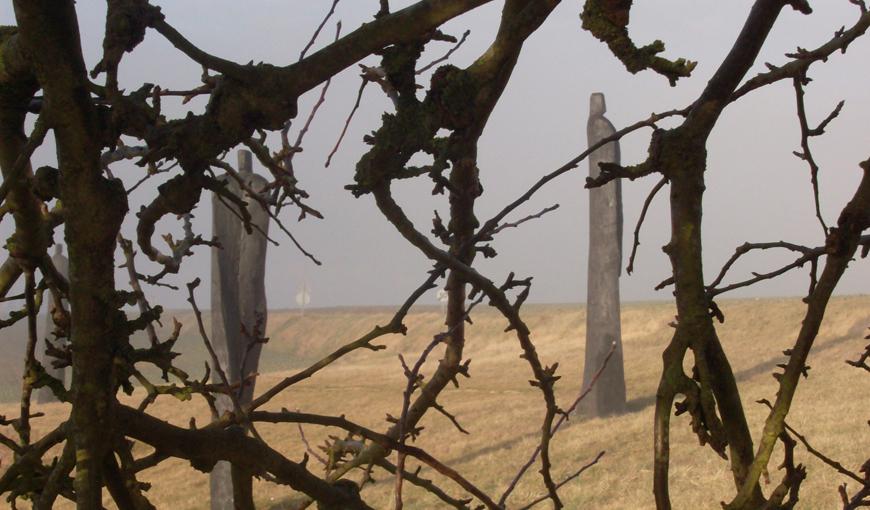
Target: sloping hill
(503, 412)
(297, 340)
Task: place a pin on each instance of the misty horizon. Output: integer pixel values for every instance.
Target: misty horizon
(756, 189)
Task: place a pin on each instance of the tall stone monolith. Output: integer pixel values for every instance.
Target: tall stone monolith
(238, 309)
(44, 394)
(605, 262)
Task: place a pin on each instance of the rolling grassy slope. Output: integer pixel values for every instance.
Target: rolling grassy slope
(503, 413)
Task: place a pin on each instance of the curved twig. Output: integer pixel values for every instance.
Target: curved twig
(659, 185)
(383, 440)
(394, 326)
(806, 133)
(566, 480)
(446, 56)
(650, 122)
(319, 28)
(803, 59)
(503, 499)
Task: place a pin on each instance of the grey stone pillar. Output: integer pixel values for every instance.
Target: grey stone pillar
(238, 308)
(605, 263)
(44, 394)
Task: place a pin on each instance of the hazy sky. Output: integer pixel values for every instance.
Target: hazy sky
(756, 189)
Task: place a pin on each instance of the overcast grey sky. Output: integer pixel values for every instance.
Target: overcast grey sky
(757, 190)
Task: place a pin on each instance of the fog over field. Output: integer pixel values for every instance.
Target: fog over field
(756, 189)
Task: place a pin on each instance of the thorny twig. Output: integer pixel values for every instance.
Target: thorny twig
(122, 152)
(320, 100)
(242, 416)
(148, 175)
(382, 440)
(284, 181)
(791, 482)
(806, 154)
(161, 356)
(181, 393)
(519, 222)
(311, 451)
(427, 485)
(446, 55)
(319, 28)
(394, 326)
(359, 94)
(861, 362)
(807, 255)
(17, 315)
(414, 381)
(288, 152)
(572, 164)
(255, 338)
(842, 244)
(31, 456)
(803, 59)
(180, 249)
(860, 498)
(142, 302)
(264, 205)
(585, 391)
(544, 376)
(566, 480)
(30, 371)
(838, 467)
(659, 185)
(240, 211)
(188, 95)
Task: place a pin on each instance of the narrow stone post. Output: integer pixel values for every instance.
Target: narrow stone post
(605, 262)
(238, 312)
(44, 394)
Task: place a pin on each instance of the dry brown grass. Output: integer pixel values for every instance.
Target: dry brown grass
(503, 412)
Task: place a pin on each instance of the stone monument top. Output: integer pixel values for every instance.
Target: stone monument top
(246, 163)
(597, 105)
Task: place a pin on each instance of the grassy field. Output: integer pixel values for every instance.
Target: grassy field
(502, 412)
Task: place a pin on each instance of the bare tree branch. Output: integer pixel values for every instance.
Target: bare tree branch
(659, 185)
(446, 56)
(319, 28)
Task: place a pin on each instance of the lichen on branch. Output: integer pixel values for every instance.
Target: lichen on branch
(607, 20)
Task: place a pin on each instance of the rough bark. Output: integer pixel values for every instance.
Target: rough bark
(202, 447)
(17, 86)
(50, 36)
(841, 246)
(681, 155)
